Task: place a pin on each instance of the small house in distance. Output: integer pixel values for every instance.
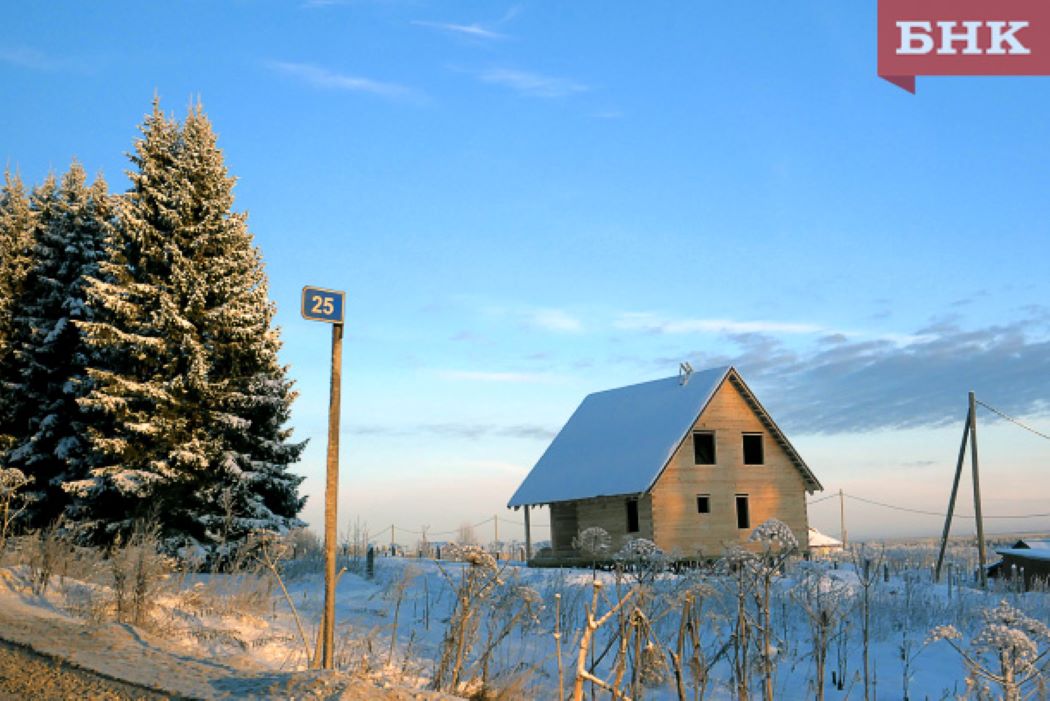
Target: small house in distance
(821, 544)
(692, 462)
(1028, 559)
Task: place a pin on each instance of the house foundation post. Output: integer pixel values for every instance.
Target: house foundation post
(528, 536)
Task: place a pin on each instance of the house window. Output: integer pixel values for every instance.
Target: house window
(703, 448)
(632, 515)
(703, 503)
(743, 516)
(753, 453)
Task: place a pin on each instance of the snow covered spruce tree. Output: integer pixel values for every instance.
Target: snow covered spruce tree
(16, 240)
(45, 371)
(189, 401)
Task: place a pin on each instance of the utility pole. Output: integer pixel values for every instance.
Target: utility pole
(331, 494)
(842, 518)
(495, 528)
(319, 304)
(977, 491)
(955, 492)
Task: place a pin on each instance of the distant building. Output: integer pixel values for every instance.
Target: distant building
(822, 544)
(1028, 558)
(692, 463)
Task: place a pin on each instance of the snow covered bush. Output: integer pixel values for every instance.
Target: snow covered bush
(641, 557)
(1009, 650)
(826, 600)
(138, 570)
(476, 586)
(778, 544)
(776, 538)
(474, 555)
(593, 541)
(12, 501)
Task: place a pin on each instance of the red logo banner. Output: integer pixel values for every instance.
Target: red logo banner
(962, 37)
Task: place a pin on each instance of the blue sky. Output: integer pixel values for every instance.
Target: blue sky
(529, 202)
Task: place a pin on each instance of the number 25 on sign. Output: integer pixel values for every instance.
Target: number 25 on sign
(323, 305)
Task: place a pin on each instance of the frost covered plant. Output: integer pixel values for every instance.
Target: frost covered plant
(268, 549)
(867, 569)
(592, 625)
(138, 570)
(697, 662)
(740, 566)
(775, 536)
(1005, 651)
(477, 584)
(473, 555)
(12, 501)
(778, 544)
(826, 601)
(515, 606)
(594, 541)
(641, 556)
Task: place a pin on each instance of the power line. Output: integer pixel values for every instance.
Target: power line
(1013, 420)
(922, 511)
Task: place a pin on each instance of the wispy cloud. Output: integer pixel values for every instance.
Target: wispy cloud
(468, 431)
(532, 84)
(324, 78)
(646, 322)
(869, 384)
(554, 320)
(652, 323)
(474, 31)
(33, 59)
(511, 377)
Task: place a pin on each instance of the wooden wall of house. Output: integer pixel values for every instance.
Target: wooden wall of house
(775, 489)
(610, 513)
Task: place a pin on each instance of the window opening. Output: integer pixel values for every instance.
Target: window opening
(703, 448)
(753, 453)
(743, 517)
(632, 515)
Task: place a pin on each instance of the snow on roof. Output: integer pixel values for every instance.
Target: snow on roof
(820, 540)
(1026, 553)
(618, 441)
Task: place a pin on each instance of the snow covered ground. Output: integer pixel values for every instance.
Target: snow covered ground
(214, 636)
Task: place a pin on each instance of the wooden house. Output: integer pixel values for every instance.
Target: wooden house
(692, 462)
(1028, 560)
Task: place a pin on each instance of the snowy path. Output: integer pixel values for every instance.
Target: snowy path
(122, 652)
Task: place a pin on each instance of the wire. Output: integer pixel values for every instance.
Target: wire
(817, 501)
(1013, 420)
(936, 513)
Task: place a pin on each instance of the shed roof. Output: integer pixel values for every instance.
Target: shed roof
(822, 540)
(1025, 553)
(619, 441)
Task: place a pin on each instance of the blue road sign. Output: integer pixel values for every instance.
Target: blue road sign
(320, 304)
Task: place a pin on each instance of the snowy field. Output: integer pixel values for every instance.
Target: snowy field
(495, 629)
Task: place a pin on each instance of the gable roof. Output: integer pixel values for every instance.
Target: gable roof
(619, 441)
(822, 540)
